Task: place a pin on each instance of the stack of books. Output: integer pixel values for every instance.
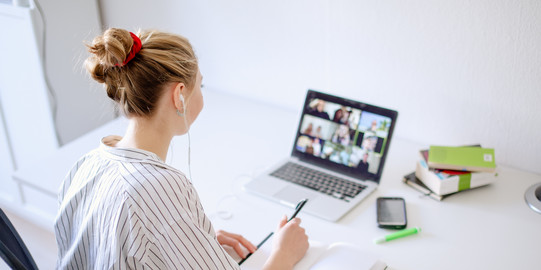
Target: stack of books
(445, 170)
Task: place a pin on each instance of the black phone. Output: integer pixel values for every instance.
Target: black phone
(391, 212)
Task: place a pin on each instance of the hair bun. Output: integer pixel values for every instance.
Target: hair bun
(112, 47)
(167, 58)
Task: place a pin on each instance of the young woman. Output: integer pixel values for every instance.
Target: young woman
(121, 206)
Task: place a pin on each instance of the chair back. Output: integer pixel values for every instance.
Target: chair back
(12, 248)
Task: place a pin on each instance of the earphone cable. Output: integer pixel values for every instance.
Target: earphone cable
(189, 156)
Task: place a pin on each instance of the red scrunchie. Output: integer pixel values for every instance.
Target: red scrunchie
(134, 49)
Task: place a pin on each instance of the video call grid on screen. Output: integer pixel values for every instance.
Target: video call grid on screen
(343, 135)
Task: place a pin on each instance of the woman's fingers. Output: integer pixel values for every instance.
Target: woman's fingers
(282, 222)
(236, 241)
(251, 247)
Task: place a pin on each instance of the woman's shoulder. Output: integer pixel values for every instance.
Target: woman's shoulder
(154, 175)
(162, 194)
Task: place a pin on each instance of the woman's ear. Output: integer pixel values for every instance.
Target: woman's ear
(178, 97)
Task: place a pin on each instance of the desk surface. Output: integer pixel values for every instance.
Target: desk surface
(234, 139)
(487, 228)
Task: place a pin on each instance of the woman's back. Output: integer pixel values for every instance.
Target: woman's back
(125, 208)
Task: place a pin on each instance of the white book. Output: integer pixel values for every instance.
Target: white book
(442, 183)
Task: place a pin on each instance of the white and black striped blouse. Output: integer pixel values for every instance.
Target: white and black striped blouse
(126, 209)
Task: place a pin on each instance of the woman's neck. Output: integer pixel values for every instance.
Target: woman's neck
(147, 135)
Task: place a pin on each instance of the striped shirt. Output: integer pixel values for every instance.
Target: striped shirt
(124, 208)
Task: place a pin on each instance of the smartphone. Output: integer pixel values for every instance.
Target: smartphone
(391, 212)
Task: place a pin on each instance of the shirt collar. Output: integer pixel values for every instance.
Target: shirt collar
(128, 154)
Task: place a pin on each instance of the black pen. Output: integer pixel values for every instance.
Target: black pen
(298, 208)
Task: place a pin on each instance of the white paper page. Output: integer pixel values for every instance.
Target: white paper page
(258, 259)
(344, 256)
(319, 257)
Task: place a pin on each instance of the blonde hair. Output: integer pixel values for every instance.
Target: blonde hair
(137, 85)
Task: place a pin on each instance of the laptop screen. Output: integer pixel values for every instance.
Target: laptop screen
(344, 135)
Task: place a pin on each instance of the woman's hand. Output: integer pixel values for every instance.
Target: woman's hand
(236, 242)
(289, 245)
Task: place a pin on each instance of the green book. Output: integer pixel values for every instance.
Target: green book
(463, 158)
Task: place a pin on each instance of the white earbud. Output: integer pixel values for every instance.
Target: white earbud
(189, 141)
(183, 106)
(182, 99)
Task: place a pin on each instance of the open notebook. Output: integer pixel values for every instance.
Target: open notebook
(320, 256)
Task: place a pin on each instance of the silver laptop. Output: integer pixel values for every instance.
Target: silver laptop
(337, 158)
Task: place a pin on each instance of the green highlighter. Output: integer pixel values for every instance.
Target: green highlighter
(397, 235)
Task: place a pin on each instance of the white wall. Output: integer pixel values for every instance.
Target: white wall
(28, 133)
(23, 96)
(458, 72)
(82, 104)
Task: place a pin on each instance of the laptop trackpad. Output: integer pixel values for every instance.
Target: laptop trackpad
(292, 195)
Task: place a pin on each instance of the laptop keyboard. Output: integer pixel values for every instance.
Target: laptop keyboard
(319, 181)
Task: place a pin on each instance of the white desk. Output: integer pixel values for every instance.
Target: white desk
(488, 228)
(234, 139)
